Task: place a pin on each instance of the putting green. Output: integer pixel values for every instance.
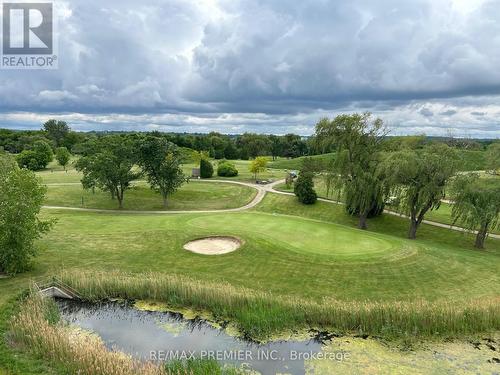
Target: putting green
(282, 254)
(307, 237)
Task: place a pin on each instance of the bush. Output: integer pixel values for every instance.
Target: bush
(227, 169)
(44, 152)
(36, 159)
(29, 159)
(206, 168)
(304, 188)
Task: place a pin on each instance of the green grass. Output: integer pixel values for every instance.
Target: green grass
(12, 361)
(441, 215)
(243, 173)
(198, 367)
(319, 187)
(54, 174)
(296, 163)
(282, 255)
(262, 315)
(292, 251)
(196, 195)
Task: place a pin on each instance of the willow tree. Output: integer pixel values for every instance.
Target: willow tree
(418, 180)
(357, 141)
(493, 158)
(477, 206)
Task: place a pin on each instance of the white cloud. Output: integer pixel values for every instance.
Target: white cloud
(422, 64)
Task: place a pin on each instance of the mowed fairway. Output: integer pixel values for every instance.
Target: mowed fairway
(195, 195)
(284, 255)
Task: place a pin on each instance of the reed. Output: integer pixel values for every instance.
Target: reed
(261, 315)
(37, 329)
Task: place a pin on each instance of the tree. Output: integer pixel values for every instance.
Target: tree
(493, 158)
(206, 168)
(231, 152)
(56, 131)
(63, 156)
(161, 163)
(29, 159)
(477, 205)
(258, 165)
(276, 146)
(108, 164)
(198, 156)
(418, 180)
(253, 145)
(36, 159)
(357, 141)
(44, 152)
(304, 188)
(21, 198)
(293, 146)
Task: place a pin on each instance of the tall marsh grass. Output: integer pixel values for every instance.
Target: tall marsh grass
(261, 315)
(37, 330)
(34, 330)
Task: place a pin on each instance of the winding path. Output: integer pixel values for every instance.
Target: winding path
(261, 193)
(262, 190)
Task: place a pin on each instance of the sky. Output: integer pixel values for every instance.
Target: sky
(423, 66)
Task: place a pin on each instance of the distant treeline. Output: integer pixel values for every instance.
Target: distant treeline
(218, 146)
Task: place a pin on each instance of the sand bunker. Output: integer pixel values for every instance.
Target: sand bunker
(215, 245)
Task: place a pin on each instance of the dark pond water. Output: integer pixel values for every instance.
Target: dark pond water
(165, 336)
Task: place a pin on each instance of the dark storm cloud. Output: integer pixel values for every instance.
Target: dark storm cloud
(266, 65)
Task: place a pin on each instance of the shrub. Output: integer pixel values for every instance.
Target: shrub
(36, 159)
(304, 188)
(206, 168)
(29, 159)
(227, 169)
(44, 152)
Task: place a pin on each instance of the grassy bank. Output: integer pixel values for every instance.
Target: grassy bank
(296, 163)
(261, 315)
(196, 195)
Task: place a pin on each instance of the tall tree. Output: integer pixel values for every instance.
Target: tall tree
(63, 156)
(276, 146)
(160, 161)
(356, 139)
(108, 164)
(477, 205)
(21, 198)
(418, 179)
(56, 131)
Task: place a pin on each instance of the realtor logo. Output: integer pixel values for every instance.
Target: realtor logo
(28, 36)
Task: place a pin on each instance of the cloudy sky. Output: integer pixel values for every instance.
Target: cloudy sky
(424, 66)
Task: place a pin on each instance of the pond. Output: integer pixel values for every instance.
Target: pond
(165, 336)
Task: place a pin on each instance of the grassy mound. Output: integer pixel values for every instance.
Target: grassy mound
(192, 196)
(296, 163)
